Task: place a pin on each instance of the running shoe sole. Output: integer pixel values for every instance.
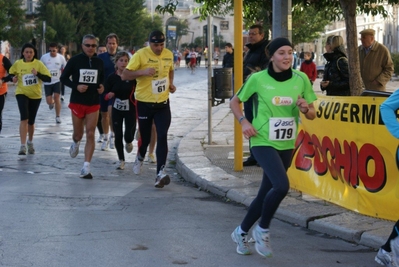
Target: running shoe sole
(162, 182)
(86, 176)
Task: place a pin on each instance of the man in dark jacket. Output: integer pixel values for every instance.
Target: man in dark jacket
(228, 58)
(255, 60)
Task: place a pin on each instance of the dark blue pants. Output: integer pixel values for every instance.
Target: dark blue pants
(274, 186)
(160, 114)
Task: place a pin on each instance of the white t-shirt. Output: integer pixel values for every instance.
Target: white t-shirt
(55, 65)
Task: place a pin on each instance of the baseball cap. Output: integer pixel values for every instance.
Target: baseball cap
(156, 37)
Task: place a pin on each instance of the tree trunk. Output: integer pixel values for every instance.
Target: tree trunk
(355, 82)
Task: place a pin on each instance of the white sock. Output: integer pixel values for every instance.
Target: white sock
(262, 229)
(105, 136)
(241, 231)
(30, 142)
(86, 164)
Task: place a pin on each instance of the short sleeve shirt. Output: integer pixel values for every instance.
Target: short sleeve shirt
(55, 65)
(29, 84)
(274, 107)
(152, 89)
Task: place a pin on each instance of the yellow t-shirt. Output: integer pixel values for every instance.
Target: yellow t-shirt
(153, 89)
(28, 84)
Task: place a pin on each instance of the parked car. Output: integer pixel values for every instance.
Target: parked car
(320, 71)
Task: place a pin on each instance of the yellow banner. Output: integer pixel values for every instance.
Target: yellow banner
(347, 156)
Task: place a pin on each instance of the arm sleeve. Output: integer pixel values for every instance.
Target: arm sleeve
(66, 74)
(388, 111)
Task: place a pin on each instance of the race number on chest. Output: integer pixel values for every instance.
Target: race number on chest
(88, 76)
(29, 79)
(282, 129)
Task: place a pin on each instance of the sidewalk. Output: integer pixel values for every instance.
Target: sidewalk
(210, 167)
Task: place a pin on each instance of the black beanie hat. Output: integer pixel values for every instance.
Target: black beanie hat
(275, 44)
(156, 37)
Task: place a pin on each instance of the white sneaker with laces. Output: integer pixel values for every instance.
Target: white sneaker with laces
(162, 179)
(112, 142)
(100, 139)
(85, 172)
(137, 166)
(262, 242)
(383, 258)
(241, 241)
(129, 147)
(121, 165)
(58, 119)
(22, 150)
(74, 149)
(105, 144)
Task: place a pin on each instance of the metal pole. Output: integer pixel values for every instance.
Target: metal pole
(238, 80)
(209, 33)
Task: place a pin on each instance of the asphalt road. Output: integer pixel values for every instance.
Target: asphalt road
(51, 217)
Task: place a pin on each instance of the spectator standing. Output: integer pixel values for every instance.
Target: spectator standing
(228, 58)
(255, 60)
(336, 71)
(152, 67)
(29, 72)
(376, 66)
(84, 74)
(272, 149)
(55, 63)
(309, 67)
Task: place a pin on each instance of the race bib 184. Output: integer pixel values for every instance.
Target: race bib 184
(29, 79)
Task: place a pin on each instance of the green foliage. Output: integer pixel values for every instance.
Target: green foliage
(12, 21)
(307, 24)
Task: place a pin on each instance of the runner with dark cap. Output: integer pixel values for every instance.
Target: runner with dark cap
(152, 67)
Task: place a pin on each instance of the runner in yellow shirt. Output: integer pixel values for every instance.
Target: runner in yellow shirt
(29, 72)
(152, 67)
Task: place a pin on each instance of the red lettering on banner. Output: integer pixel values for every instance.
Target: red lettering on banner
(345, 162)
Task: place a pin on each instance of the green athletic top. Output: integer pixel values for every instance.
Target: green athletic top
(274, 107)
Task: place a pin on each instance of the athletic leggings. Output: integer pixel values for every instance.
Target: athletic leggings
(160, 114)
(392, 236)
(130, 127)
(28, 108)
(274, 186)
(2, 101)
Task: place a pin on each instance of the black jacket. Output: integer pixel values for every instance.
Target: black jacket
(73, 68)
(228, 60)
(256, 58)
(336, 71)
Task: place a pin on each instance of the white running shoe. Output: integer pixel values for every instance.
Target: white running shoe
(74, 149)
(105, 144)
(241, 241)
(85, 173)
(151, 158)
(100, 138)
(121, 165)
(383, 257)
(137, 166)
(22, 150)
(112, 142)
(129, 147)
(31, 149)
(262, 242)
(58, 119)
(162, 179)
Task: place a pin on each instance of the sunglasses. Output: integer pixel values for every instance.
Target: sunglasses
(90, 45)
